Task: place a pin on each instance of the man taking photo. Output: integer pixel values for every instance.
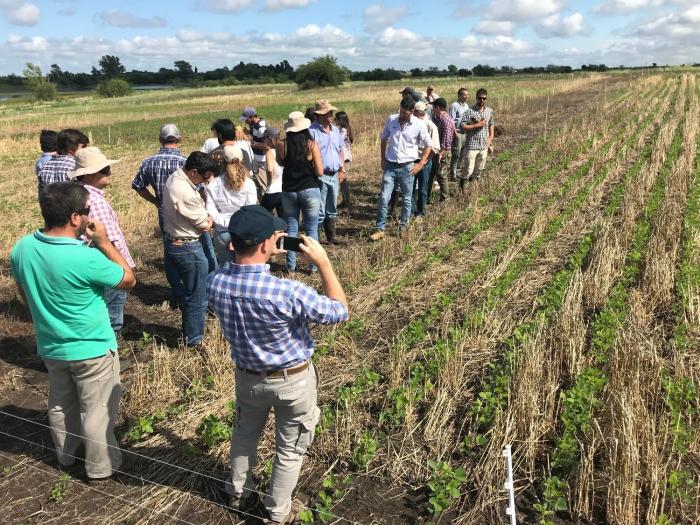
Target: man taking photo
(266, 321)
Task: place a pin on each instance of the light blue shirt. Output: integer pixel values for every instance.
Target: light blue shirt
(45, 157)
(330, 144)
(403, 142)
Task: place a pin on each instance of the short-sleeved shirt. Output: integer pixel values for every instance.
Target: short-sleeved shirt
(403, 141)
(330, 145)
(55, 170)
(476, 138)
(266, 319)
(155, 170)
(64, 280)
(257, 130)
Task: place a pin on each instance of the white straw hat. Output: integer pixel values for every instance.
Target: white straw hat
(88, 161)
(296, 122)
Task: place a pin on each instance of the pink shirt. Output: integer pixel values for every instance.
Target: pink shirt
(101, 210)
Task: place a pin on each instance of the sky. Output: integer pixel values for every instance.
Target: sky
(362, 34)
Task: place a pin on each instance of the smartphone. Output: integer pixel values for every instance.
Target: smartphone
(289, 243)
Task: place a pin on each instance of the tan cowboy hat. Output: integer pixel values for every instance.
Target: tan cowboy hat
(296, 122)
(323, 106)
(88, 161)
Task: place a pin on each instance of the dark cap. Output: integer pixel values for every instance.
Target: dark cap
(252, 224)
(440, 102)
(247, 113)
(271, 133)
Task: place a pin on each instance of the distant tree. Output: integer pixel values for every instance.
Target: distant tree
(484, 71)
(653, 64)
(111, 66)
(416, 72)
(464, 72)
(184, 70)
(452, 69)
(114, 87)
(320, 72)
(506, 70)
(41, 88)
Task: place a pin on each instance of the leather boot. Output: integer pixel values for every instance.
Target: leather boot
(345, 192)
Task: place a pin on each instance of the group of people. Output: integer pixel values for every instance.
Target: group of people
(217, 241)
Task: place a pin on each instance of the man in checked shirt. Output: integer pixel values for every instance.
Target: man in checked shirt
(93, 171)
(266, 321)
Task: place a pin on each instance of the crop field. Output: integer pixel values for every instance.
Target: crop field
(554, 307)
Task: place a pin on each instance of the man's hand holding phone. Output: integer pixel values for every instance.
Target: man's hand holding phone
(314, 251)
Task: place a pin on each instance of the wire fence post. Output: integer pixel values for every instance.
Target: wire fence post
(546, 114)
(508, 485)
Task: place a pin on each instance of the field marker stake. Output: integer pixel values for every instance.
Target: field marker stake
(508, 485)
(546, 114)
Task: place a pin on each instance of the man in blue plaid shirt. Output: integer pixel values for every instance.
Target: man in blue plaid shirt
(68, 143)
(266, 320)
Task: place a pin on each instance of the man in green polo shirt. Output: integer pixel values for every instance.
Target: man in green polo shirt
(62, 280)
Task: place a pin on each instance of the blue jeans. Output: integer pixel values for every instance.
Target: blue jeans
(395, 175)
(308, 202)
(115, 300)
(208, 247)
(170, 271)
(420, 189)
(192, 269)
(329, 197)
(221, 242)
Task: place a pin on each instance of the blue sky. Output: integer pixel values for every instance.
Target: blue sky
(363, 34)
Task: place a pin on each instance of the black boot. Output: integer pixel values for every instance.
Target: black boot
(345, 192)
(329, 228)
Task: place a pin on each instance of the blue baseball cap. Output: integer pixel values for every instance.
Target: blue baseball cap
(247, 113)
(252, 224)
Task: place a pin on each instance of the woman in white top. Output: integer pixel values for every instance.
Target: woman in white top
(225, 196)
(272, 200)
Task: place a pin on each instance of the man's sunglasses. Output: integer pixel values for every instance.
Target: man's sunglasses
(481, 98)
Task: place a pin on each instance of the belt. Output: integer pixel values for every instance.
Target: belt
(277, 372)
(401, 164)
(183, 240)
(329, 172)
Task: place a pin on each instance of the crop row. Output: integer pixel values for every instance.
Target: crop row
(580, 401)
(422, 375)
(496, 386)
(465, 238)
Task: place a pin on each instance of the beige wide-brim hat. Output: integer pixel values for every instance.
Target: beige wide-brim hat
(88, 161)
(296, 122)
(323, 106)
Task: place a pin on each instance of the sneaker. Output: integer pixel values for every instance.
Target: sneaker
(299, 504)
(377, 235)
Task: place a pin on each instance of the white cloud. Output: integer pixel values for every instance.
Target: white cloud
(493, 27)
(506, 48)
(223, 6)
(377, 17)
(517, 10)
(26, 14)
(625, 6)
(278, 5)
(399, 37)
(118, 18)
(556, 27)
(34, 44)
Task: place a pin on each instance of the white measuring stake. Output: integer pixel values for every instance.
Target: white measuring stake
(508, 485)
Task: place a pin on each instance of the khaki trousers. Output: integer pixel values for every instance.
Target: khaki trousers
(476, 161)
(83, 402)
(296, 415)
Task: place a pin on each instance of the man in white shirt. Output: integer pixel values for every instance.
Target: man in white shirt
(459, 142)
(422, 178)
(402, 135)
(185, 218)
